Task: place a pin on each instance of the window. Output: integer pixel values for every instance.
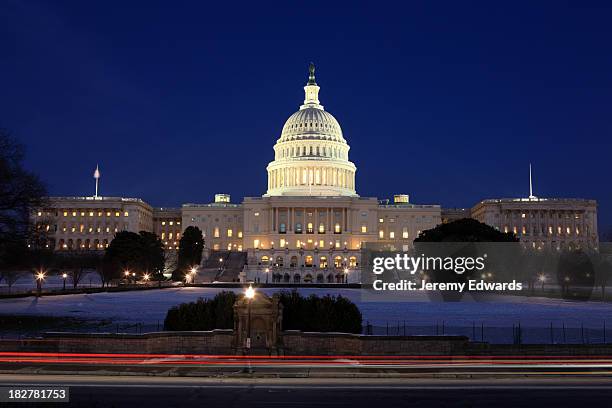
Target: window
(256, 214)
(216, 232)
(309, 228)
(282, 242)
(239, 234)
(381, 234)
(298, 228)
(381, 220)
(256, 243)
(163, 235)
(282, 228)
(65, 213)
(364, 229)
(163, 222)
(392, 234)
(230, 233)
(125, 214)
(405, 233)
(171, 223)
(337, 228)
(321, 244)
(91, 213)
(116, 213)
(321, 228)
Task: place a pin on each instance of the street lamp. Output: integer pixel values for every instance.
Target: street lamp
(40, 276)
(64, 275)
(346, 271)
(267, 270)
(542, 278)
(146, 277)
(249, 294)
(193, 272)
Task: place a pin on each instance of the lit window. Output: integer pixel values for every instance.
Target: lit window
(239, 234)
(99, 213)
(381, 220)
(216, 232)
(321, 228)
(364, 229)
(240, 247)
(74, 213)
(337, 244)
(82, 213)
(116, 213)
(392, 234)
(108, 214)
(309, 228)
(568, 230)
(171, 223)
(381, 234)
(125, 214)
(256, 243)
(229, 247)
(81, 228)
(91, 213)
(405, 233)
(256, 214)
(337, 228)
(282, 242)
(523, 215)
(229, 233)
(321, 244)
(39, 213)
(170, 235)
(65, 213)
(163, 222)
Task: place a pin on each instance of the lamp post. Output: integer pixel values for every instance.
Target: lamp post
(542, 279)
(40, 276)
(126, 274)
(193, 272)
(64, 275)
(267, 271)
(346, 271)
(249, 294)
(146, 277)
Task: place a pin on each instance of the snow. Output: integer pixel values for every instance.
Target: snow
(419, 314)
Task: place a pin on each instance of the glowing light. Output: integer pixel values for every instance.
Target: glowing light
(146, 277)
(40, 275)
(250, 292)
(64, 275)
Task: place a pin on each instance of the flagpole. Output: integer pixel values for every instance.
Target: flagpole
(97, 177)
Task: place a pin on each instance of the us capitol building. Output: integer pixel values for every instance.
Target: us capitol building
(310, 224)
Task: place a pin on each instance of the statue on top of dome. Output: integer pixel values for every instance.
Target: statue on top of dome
(311, 76)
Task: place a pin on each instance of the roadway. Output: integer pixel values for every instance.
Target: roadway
(134, 391)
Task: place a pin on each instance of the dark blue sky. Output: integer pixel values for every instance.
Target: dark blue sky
(446, 101)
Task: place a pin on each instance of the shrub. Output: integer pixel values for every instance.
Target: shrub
(313, 313)
(203, 314)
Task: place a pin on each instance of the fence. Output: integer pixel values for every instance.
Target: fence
(554, 333)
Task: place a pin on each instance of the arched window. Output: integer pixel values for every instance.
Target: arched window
(308, 261)
(323, 262)
(338, 262)
(352, 262)
(309, 229)
(279, 261)
(298, 228)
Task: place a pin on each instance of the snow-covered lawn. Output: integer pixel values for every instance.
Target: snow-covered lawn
(419, 314)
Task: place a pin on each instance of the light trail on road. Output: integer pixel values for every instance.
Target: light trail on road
(601, 363)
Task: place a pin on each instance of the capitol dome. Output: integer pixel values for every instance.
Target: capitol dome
(311, 155)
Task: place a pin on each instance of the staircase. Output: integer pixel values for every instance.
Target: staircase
(230, 263)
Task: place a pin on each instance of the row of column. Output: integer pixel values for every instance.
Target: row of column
(311, 176)
(345, 224)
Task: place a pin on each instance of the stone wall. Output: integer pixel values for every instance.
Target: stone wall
(298, 343)
(204, 342)
(223, 342)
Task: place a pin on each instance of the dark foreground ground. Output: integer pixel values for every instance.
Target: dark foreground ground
(116, 391)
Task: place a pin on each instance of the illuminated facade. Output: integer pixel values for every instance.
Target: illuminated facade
(310, 223)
